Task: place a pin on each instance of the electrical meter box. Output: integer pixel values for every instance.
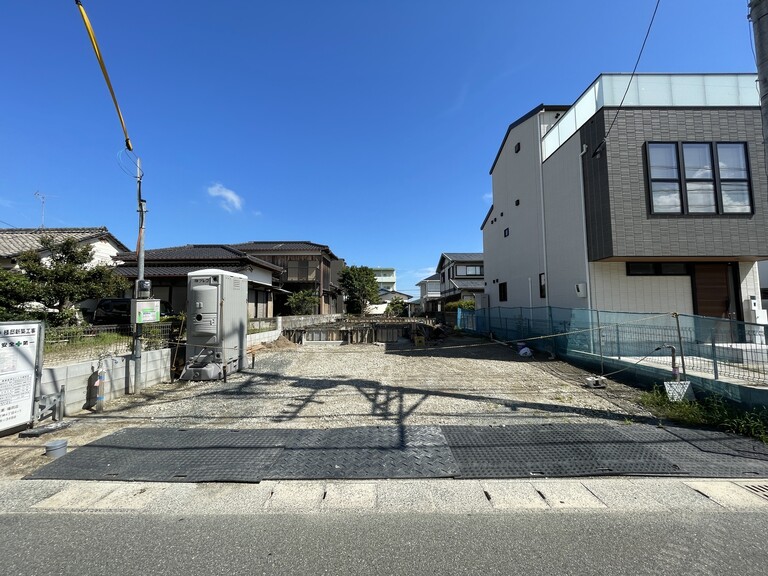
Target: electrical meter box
(143, 289)
(217, 324)
(145, 311)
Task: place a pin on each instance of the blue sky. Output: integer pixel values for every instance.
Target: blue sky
(367, 126)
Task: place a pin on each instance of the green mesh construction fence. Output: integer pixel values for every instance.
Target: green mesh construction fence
(708, 348)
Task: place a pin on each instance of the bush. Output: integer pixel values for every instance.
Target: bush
(712, 411)
(303, 303)
(463, 304)
(396, 307)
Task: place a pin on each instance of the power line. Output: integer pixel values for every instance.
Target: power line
(631, 77)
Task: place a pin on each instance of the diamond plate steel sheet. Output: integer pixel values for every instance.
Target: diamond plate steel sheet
(376, 437)
(167, 454)
(550, 450)
(703, 453)
(721, 443)
(515, 451)
(367, 452)
(364, 463)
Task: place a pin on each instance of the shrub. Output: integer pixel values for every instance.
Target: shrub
(463, 304)
(712, 411)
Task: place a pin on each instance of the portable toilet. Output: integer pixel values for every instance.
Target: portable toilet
(217, 324)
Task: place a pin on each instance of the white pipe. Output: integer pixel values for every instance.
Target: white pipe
(530, 292)
(584, 149)
(543, 219)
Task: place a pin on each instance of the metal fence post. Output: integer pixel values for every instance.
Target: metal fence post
(680, 342)
(714, 355)
(618, 343)
(600, 343)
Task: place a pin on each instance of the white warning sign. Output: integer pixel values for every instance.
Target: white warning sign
(20, 353)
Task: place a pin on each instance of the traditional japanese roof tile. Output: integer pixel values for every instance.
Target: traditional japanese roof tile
(14, 241)
(434, 276)
(464, 256)
(468, 284)
(167, 271)
(221, 255)
(278, 246)
(458, 257)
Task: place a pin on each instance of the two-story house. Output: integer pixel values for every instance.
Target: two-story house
(429, 294)
(306, 266)
(648, 194)
(460, 275)
(167, 269)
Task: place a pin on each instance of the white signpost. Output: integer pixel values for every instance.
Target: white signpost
(21, 352)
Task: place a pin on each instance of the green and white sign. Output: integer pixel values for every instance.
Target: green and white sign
(145, 311)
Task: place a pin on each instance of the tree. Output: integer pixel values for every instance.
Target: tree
(360, 287)
(14, 289)
(60, 277)
(303, 303)
(396, 307)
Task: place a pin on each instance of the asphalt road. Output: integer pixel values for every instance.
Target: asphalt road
(538, 526)
(715, 543)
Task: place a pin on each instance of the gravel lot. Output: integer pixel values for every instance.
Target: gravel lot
(460, 380)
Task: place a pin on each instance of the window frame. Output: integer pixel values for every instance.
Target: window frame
(464, 270)
(503, 292)
(747, 179)
(683, 181)
(686, 180)
(664, 180)
(657, 269)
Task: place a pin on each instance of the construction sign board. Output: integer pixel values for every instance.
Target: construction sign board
(21, 362)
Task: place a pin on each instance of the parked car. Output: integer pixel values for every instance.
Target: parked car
(118, 311)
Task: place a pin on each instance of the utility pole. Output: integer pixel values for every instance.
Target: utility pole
(758, 15)
(141, 290)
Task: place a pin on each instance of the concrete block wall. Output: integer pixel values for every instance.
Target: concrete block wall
(270, 336)
(289, 322)
(79, 379)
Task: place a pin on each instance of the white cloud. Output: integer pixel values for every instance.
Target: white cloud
(488, 198)
(422, 273)
(458, 102)
(230, 201)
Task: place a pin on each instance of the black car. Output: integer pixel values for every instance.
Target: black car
(118, 311)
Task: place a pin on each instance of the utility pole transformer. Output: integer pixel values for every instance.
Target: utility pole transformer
(758, 15)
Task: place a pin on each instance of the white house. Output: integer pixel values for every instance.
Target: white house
(656, 204)
(14, 241)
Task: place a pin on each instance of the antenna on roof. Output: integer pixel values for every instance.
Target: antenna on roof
(41, 197)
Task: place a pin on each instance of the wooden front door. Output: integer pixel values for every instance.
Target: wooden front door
(715, 292)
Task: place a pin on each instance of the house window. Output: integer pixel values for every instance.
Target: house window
(301, 271)
(734, 178)
(469, 270)
(502, 291)
(506, 232)
(698, 178)
(658, 269)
